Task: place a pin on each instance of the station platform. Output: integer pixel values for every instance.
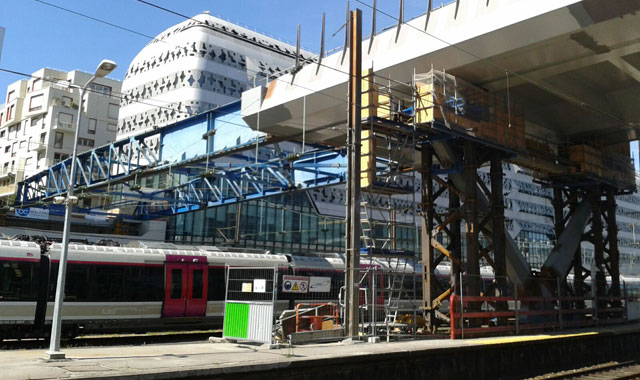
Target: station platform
(490, 358)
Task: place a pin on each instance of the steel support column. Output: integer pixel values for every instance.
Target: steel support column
(353, 186)
(612, 243)
(578, 268)
(471, 219)
(497, 213)
(455, 240)
(598, 242)
(428, 280)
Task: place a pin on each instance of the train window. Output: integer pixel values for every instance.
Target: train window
(109, 283)
(217, 284)
(18, 281)
(176, 283)
(144, 283)
(196, 291)
(77, 284)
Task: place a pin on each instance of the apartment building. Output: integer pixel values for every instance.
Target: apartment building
(38, 122)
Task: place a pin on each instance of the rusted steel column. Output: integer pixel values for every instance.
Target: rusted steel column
(497, 211)
(428, 280)
(598, 243)
(612, 237)
(471, 219)
(455, 242)
(352, 274)
(558, 211)
(578, 269)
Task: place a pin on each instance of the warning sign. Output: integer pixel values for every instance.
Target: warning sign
(295, 284)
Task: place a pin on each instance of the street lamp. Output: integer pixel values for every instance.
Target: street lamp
(54, 353)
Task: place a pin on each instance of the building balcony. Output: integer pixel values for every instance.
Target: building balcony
(37, 146)
(63, 126)
(7, 191)
(7, 172)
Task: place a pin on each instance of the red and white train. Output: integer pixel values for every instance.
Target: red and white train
(127, 289)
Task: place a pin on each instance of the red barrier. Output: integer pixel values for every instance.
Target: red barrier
(477, 322)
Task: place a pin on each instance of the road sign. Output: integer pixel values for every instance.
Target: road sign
(295, 284)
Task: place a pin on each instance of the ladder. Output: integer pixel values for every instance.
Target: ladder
(395, 291)
(367, 227)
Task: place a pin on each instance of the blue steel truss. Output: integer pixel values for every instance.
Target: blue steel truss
(225, 185)
(206, 182)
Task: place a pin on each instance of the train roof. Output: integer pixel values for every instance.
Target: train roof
(108, 254)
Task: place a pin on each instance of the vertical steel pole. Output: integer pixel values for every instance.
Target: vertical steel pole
(471, 219)
(497, 210)
(559, 302)
(56, 324)
(455, 242)
(461, 307)
(598, 243)
(355, 120)
(428, 280)
(612, 238)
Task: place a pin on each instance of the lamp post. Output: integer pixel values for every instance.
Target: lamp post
(54, 353)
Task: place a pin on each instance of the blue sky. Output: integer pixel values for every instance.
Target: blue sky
(38, 35)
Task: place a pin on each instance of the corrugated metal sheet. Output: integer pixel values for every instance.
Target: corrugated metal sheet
(260, 322)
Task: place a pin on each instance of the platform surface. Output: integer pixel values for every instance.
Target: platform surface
(179, 360)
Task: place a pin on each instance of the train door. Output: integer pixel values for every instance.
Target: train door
(197, 276)
(185, 286)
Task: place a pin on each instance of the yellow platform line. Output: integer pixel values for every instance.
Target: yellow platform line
(529, 338)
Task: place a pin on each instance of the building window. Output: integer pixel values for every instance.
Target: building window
(40, 156)
(65, 120)
(11, 95)
(29, 143)
(113, 111)
(58, 140)
(35, 103)
(34, 121)
(92, 126)
(36, 85)
(100, 89)
(2, 133)
(112, 127)
(7, 148)
(27, 162)
(14, 149)
(10, 112)
(43, 136)
(22, 144)
(66, 101)
(86, 142)
(57, 157)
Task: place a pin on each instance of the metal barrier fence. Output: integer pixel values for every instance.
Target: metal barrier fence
(249, 303)
(493, 312)
(389, 303)
(311, 289)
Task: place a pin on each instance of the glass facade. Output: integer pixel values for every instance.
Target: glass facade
(285, 223)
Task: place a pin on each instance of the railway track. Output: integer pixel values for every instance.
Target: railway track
(113, 340)
(608, 371)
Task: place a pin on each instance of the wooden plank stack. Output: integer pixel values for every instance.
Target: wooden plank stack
(467, 109)
(612, 163)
